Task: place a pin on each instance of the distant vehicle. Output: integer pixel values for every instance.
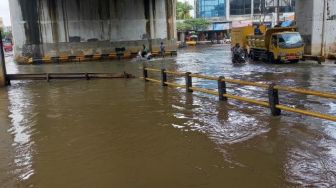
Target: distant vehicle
(7, 47)
(275, 45)
(192, 40)
(144, 57)
(227, 41)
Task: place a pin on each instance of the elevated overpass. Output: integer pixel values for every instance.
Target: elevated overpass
(53, 28)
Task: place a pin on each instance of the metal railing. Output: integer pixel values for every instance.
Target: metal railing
(272, 89)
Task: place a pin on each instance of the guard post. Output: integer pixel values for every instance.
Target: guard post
(145, 72)
(222, 89)
(188, 79)
(163, 77)
(273, 96)
(47, 77)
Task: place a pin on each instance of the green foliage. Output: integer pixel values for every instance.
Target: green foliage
(183, 10)
(193, 24)
(181, 26)
(5, 34)
(2, 32)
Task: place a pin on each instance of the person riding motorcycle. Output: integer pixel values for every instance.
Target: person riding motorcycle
(238, 54)
(144, 51)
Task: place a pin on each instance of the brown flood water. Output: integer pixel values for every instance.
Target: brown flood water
(127, 133)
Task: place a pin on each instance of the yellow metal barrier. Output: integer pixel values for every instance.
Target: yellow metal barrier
(252, 101)
(273, 102)
(153, 70)
(208, 91)
(153, 80)
(246, 83)
(306, 112)
(307, 92)
(174, 85)
(203, 77)
(175, 73)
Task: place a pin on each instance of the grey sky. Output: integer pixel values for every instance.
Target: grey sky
(4, 12)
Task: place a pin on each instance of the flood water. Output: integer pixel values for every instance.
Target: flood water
(128, 133)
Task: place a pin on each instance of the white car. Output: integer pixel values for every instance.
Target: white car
(227, 41)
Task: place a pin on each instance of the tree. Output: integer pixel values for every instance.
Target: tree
(193, 24)
(181, 26)
(197, 24)
(183, 10)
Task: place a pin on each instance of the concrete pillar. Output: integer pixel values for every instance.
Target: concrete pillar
(316, 21)
(171, 19)
(151, 18)
(2, 64)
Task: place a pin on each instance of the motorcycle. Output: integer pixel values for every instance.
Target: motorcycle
(147, 56)
(238, 57)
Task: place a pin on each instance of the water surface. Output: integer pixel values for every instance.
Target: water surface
(127, 133)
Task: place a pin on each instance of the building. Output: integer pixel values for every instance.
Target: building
(211, 8)
(216, 11)
(225, 14)
(245, 10)
(261, 11)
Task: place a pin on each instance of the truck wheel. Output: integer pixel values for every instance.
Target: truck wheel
(295, 61)
(271, 58)
(253, 56)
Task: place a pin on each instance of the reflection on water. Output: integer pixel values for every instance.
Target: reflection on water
(22, 117)
(118, 133)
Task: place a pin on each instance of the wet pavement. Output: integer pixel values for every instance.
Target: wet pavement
(127, 133)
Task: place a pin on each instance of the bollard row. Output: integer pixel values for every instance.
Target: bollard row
(273, 102)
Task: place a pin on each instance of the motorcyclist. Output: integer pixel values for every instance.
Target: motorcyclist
(144, 51)
(237, 51)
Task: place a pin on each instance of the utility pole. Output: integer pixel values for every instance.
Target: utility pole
(278, 12)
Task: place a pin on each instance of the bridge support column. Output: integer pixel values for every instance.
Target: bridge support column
(3, 81)
(316, 20)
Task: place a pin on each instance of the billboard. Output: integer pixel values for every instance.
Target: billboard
(242, 23)
(221, 26)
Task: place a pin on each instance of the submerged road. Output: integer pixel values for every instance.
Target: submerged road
(125, 133)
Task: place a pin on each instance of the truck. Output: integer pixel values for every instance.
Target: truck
(274, 45)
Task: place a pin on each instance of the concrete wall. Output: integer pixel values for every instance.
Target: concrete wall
(330, 29)
(75, 27)
(316, 21)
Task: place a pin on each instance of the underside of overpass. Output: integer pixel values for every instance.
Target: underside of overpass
(56, 28)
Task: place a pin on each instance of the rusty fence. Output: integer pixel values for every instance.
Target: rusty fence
(273, 102)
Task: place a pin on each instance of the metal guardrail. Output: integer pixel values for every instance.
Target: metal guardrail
(58, 76)
(92, 57)
(273, 91)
